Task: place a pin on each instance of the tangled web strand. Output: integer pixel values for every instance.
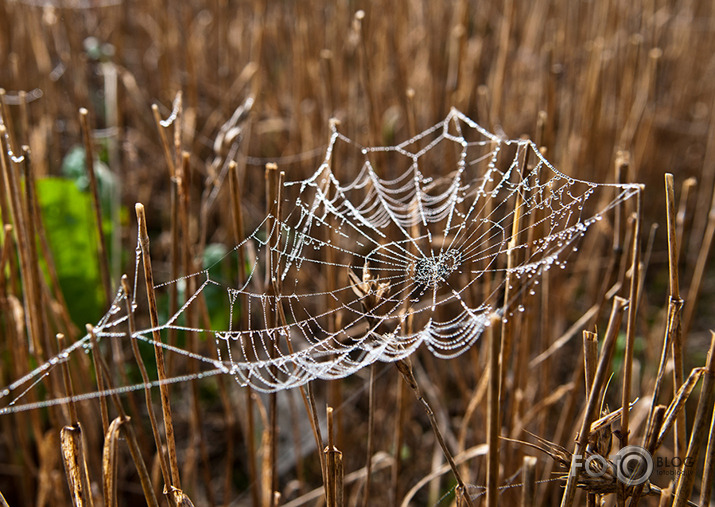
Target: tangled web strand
(381, 251)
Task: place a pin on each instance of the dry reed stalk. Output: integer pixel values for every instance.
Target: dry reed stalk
(187, 266)
(706, 483)
(366, 81)
(127, 429)
(172, 164)
(631, 327)
(131, 329)
(673, 338)
(110, 462)
(102, 255)
(528, 474)
(370, 435)
(75, 462)
(683, 207)
(158, 350)
(38, 315)
(104, 414)
(39, 228)
(271, 284)
(274, 186)
(498, 76)
(699, 430)
(590, 362)
(590, 358)
(238, 232)
(678, 403)
(404, 366)
(609, 342)
(493, 412)
(334, 468)
(655, 422)
(13, 193)
(399, 436)
(73, 445)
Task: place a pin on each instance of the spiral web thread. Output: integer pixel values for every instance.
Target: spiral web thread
(381, 251)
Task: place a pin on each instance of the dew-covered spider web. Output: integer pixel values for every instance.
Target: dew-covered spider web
(380, 252)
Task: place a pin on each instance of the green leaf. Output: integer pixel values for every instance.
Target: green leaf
(71, 232)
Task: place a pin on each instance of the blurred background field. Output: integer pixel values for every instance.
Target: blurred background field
(589, 81)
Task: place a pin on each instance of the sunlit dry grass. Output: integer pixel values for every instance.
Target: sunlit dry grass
(612, 90)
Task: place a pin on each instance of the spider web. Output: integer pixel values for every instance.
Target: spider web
(381, 251)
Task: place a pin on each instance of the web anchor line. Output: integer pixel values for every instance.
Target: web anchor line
(414, 234)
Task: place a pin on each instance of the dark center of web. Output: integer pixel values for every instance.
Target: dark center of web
(431, 271)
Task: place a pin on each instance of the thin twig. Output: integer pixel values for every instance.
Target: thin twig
(158, 349)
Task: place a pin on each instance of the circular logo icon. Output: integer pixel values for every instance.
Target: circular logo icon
(633, 465)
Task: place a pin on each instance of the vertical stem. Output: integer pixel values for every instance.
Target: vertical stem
(493, 414)
(103, 370)
(528, 474)
(96, 205)
(631, 328)
(68, 382)
(100, 383)
(675, 305)
(609, 342)
(158, 349)
(699, 430)
(706, 484)
(13, 195)
(238, 235)
(270, 284)
(370, 436)
(145, 379)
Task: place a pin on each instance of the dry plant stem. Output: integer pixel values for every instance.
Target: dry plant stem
(654, 424)
(614, 325)
(164, 141)
(528, 474)
(13, 195)
(590, 362)
(631, 327)
(39, 228)
(100, 386)
(96, 206)
(499, 71)
(493, 417)
(370, 436)
(158, 350)
(709, 468)
(73, 455)
(404, 366)
(685, 190)
(590, 358)
(673, 337)
(678, 403)
(68, 382)
(699, 430)
(238, 235)
(128, 430)
(73, 445)
(145, 379)
(334, 461)
(272, 205)
(38, 315)
(109, 462)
